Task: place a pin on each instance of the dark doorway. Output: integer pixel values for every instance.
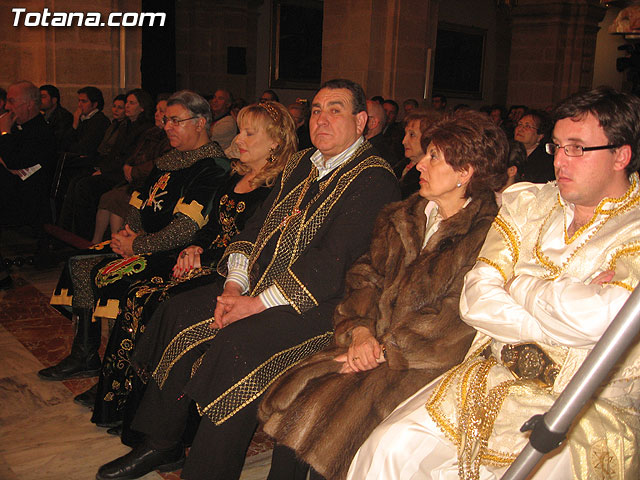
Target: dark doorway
(158, 64)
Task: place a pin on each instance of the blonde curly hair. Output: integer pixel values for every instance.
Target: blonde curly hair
(279, 125)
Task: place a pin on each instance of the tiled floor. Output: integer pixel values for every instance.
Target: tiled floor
(43, 433)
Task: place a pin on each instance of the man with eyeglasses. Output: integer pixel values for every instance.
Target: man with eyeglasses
(531, 131)
(558, 263)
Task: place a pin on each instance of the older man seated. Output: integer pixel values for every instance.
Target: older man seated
(558, 263)
(285, 277)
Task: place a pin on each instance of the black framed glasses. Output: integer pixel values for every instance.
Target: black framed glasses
(574, 150)
(175, 121)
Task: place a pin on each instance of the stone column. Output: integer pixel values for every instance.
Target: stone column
(552, 50)
(382, 44)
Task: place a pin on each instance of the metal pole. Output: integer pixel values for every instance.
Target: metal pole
(618, 337)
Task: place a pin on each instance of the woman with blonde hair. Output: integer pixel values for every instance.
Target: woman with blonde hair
(265, 141)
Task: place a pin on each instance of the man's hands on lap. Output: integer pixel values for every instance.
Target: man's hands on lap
(122, 241)
(232, 306)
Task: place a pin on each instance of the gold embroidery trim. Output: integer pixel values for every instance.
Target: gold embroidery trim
(110, 310)
(553, 270)
(510, 236)
(259, 379)
(180, 345)
(494, 265)
(64, 299)
(192, 210)
(135, 200)
(299, 231)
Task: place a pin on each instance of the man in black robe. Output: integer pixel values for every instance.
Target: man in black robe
(285, 276)
(27, 155)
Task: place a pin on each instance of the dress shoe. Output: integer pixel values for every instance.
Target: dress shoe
(88, 398)
(142, 460)
(72, 367)
(117, 430)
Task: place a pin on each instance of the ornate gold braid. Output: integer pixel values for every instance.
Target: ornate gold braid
(299, 232)
(510, 235)
(257, 381)
(182, 343)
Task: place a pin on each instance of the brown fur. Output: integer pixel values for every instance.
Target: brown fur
(409, 298)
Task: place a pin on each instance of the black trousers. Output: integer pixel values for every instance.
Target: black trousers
(217, 452)
(286, 466)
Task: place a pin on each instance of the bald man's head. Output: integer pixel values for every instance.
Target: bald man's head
(377, 119)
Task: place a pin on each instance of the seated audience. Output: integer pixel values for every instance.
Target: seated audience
(558, 263)
(376, 122)
(269, 96)
(393, 130)
(531, 131)
(89, 124)
(397, 328)
(83, 195)
(3, 101)
(27, 158)
(517, 157)
(243, 335)
(439, 102)
(513, 117)
(266, 140)
(114, 204)
(416, 124)
(408, 106)
(299, 111)
(174, 203)
(237, 105)
(118, 125)
(223, 127)
(55, 114)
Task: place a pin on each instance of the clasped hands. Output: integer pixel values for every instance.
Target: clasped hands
(365, 352)
(122, 241)
(232, 306)
(188, 260)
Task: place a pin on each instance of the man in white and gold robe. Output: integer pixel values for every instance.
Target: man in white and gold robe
(557, 265)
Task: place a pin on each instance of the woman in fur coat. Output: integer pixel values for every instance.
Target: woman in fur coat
(398, 326)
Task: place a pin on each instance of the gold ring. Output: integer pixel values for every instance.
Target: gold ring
(182, 254)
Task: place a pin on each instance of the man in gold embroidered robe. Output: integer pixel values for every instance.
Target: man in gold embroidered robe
(285, 273)
(558, 263)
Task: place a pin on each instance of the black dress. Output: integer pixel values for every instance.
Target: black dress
(119, 388)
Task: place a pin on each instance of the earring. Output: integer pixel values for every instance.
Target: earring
(458, 184)
(272, 157)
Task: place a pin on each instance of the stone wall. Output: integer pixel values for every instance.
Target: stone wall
(552, 49)
(382, 44)
(204, 30)
(69, 57)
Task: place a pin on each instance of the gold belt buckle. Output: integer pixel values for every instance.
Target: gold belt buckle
(528, 361)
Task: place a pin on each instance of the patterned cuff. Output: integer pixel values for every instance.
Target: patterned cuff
(238, 266)
(272, 297)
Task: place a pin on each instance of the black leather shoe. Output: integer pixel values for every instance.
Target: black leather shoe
(72, 367)
(140, 461)
(88, 398)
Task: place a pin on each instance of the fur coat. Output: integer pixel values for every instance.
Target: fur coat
(408, 297)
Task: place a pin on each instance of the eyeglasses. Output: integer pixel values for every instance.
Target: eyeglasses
(527, 126)
(574, 150)
(175, 121)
